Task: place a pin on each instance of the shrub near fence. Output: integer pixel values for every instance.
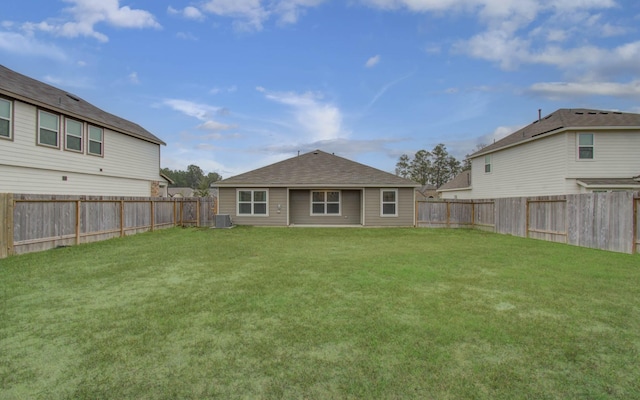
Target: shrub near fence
(607, 221)
(39, 222)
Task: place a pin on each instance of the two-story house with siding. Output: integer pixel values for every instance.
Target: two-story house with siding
(53, 142)
(570, 151)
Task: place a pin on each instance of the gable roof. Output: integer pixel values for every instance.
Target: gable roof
(459, 182)
(564, 119)
(38, 93)
(317, 168)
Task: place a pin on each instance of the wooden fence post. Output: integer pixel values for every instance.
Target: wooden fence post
(6, 230)
(78, 204)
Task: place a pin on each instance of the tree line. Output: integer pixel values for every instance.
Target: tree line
(435, 167)
(193, 178)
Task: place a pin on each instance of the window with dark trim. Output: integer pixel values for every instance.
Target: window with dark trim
(585, 146)
(96, 140)
(325, 202)
(48, 129)
(252, 202)
(389, 202)
(5, 118)
(73, 131)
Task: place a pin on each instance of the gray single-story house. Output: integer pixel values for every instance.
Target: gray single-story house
(318, 189)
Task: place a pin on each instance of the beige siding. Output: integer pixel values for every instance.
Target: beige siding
(457, 194)
(227, 204)
(351, 205)
(616, 155)
(406, 208)
(33, 167)
(34, 181)
(537, 168)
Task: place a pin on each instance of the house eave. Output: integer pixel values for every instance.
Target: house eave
(555, 132)
(315, 185)
(454, 189)
(50, 107)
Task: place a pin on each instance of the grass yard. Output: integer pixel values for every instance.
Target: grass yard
(321, 314)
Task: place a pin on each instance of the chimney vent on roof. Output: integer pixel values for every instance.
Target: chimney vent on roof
(539, 114)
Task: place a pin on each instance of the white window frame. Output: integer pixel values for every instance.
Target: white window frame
(394, 202)
(90, 140)
(252, 202)
(592, 146)
(57, 132)
(67, 134)
(8, 119)
(325, 202)
(488, 164)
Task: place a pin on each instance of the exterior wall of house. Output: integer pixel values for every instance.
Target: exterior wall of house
(537, 168)
(373, 205)
(461, 194)
(227, 204)
(128, 166)
(616, 155)
(350, 211)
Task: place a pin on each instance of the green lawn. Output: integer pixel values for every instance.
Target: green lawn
(320, 313)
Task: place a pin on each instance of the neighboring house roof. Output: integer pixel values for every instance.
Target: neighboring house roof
(180, 192)
(459, 182)
(166, 178)
(565, 119)
(40, 94)
(612, 183)
(426, 192)
(317, 168)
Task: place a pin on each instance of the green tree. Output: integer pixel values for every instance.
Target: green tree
(466, 165)
(444, 166)
(420, 167)
(403, 166)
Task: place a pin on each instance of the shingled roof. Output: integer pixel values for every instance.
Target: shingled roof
(316, 169)
(565, 119)
(40, 94)
(460, 181)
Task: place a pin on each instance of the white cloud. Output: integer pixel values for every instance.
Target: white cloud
(499, 133)
(215, 126)
(186, 36)
(133, 78)
(559, 90)
(27, 45)
(250, 15)
(85, 14)
(188, 12)
(371, 62)
(200, 111)
(317, 119)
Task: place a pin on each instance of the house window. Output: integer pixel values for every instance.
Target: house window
(73, 135)
(389, 202)
(325, 202)
(585, 146)
(5, 119)
(252, 202)
(487, 164)
(95, 140)
(48, 128)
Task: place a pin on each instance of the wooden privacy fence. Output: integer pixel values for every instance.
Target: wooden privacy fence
(607, 221)
(40, 222)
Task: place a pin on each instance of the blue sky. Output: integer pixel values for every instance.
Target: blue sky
(232, 85)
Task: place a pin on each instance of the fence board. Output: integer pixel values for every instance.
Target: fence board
(511, 216)
(636, 218)
(548, 220)
(607, 221)
(6, 219)
(40, 222)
